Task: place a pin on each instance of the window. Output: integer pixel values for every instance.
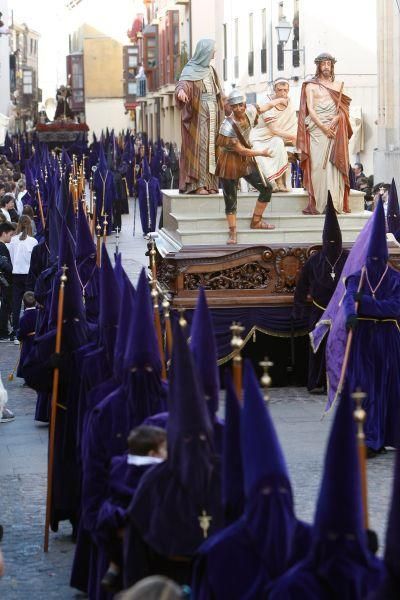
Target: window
(250, 66)
(31, 45)
(132, 88)
(27, 82)
(75, 75)
(236, 46)
(264, 40)
(224, 60)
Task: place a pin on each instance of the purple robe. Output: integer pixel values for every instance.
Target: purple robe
(149, 195)
(315, 280)
(240, 561)
(375, 356)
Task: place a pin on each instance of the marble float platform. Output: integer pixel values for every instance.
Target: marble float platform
(263, 268)
(193, 220)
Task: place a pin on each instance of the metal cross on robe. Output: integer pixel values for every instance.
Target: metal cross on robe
(205, 521)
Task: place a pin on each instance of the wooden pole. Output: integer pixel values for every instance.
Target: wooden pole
(157, 323)
(328, 147)
(265, 378)
(105, 223)
(236, 344)
(39, 199)
(98, 244)
(359, 417)
(349, 339)
(54, 399)
(168, 328)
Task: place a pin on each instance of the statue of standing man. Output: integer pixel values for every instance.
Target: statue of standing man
(323, 138)
(199, 95)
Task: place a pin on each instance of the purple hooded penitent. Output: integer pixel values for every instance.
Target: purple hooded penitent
(333, 319)
(232, 467)
(375, 352)
(339, 564)
(204, 349)
(243, 559)
(318, 278)
(186, 486)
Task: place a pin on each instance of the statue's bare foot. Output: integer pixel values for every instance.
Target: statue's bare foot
(283, 188)
(213, 191)
(310, 211)
(202, 191)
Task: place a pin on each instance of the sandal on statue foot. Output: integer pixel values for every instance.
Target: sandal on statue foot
(201, 192)
(259, 223)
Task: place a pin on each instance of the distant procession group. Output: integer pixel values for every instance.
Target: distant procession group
(225, 139)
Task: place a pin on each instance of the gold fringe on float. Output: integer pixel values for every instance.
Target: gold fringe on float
(252, 332)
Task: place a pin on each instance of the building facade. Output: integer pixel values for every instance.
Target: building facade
(95, 64)
(251, 56)
(24, 70)
(4, 68)
(387, 153)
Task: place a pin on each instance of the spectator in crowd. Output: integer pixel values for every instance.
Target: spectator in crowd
(6, 231)
(5, 417)
(28, 210)
(358, 170)
(21, 191)
(21, 246)
(381, 190)
(6, 202)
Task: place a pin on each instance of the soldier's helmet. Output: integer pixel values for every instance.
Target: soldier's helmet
(236, 97)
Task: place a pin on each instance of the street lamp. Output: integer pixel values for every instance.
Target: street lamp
(283, 30)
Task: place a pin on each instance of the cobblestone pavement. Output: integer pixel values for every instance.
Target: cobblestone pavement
(23, 448)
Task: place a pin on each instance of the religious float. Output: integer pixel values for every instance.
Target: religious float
(56, 126)
(252, 282)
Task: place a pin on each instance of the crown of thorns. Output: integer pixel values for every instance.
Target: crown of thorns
(325, 56)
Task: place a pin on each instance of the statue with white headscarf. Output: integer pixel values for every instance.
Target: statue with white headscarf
(198, 95)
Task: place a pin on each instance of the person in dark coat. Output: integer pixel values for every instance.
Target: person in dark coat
(318, 279)
(268, 538)
(178, 503)
(6, 231)
(375, 352)
(26, 331)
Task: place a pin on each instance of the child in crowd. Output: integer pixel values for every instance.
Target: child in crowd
(147, 446)
(26, 331)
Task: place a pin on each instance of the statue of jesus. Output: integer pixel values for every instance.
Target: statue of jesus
(323, 138)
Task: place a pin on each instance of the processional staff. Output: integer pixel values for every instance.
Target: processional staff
(236, 344)
(167, 322)
(265, 378)
(98, 244)
(39, 199)
(154, 295)
(54, 400)
(359, 416)
(350, 336)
